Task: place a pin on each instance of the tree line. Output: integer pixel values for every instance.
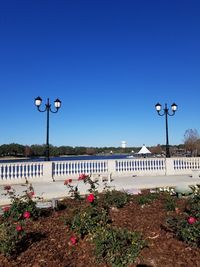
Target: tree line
(18, 150)
(190, 146)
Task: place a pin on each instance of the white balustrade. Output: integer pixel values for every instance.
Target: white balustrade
(185, 165)
(147, 166)
(60, 170)
(74, 168)
(18, 172)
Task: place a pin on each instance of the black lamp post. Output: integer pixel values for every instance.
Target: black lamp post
(166, 113)
(57, 104)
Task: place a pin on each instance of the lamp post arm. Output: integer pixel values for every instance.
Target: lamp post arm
(53, 111)
(40, 110)
(173, 113)
(160, 113)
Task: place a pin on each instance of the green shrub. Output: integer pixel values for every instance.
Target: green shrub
(21, 203)
(10, 237)
(187, 227)
(87, 220)
(115, 198)
(185, 231)
(193, 206)
(146, 198)
(170, 203)
(14, 218)
(117, 247)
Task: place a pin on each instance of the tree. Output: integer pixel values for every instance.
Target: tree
(156, 149)
(90, 151)
(38, 150)
(191, 138)
(28, 151)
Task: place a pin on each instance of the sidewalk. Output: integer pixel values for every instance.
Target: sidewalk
(57, 189)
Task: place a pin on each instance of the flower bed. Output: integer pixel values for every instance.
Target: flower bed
(83, 230)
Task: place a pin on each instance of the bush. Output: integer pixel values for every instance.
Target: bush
(170, 203)
(187, 227)
(14, 218)
(115, 198)
(193, 206)
(89, 219)
(21, 203)
(10, 236)
(117, 247)
(185, 230)
(147, 198)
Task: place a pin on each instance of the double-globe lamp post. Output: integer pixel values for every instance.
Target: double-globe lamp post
(166, 114)
(57, 104)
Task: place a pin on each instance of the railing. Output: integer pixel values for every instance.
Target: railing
(20, 171)
(141, 166)
(65, 168)
(60, 170)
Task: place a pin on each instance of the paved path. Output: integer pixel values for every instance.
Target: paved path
(57, 189)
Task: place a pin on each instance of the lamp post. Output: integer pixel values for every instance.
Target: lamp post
(166, 114)
(57, 104)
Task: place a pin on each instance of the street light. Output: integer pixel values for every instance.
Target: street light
(166, 113)
(57, 104)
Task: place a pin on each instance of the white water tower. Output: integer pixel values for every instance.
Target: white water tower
(123, 144)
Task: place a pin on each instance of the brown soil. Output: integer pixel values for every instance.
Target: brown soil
(47, 243)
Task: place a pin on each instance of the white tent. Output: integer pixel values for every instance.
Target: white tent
(144, 150)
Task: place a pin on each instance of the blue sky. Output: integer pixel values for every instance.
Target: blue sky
(109, 62)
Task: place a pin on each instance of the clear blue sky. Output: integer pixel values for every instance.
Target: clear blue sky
(109, 62)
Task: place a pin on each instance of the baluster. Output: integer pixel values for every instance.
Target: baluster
(61, 169)
(36, 170)
(28, 170)
(82, 167)
(11, 176)
(64, 168)
(67, 168)
(21, 171)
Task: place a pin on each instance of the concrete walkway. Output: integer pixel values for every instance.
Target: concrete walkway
(130, 184)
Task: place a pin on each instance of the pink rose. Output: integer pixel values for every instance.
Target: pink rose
(191, 220)
(90, 198)
(73, 240)
(26, 215)
(31, 194)
(6, 209)
(19, 228)
(68, 181)
(82, 176)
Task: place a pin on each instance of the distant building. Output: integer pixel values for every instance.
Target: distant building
(123, 144)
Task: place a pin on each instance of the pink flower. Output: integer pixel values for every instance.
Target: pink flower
(6, 209)
(7, 187)
(26, 215)
(82, 176)
(191, 220)
(90, 198)
(19, 228)
(31, 194)
(68, 181)
(73, 240)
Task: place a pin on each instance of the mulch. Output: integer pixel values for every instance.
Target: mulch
(47, 242)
